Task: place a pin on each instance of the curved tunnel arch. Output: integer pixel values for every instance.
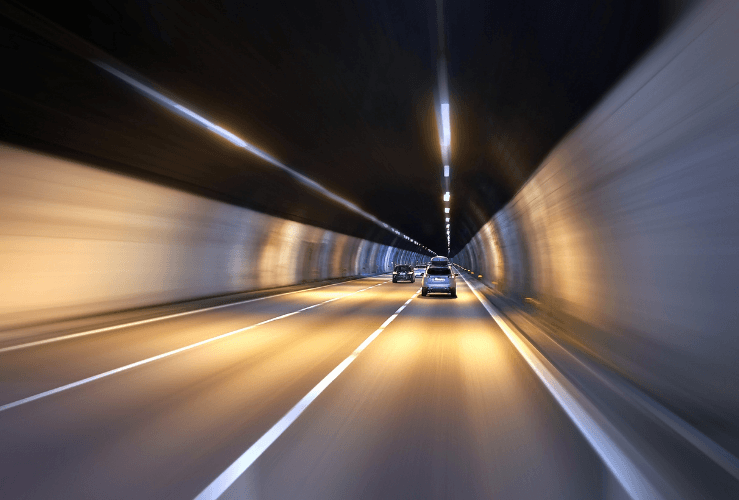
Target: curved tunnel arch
(626, 233)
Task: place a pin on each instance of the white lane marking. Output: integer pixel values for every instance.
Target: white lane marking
(236, 469)
(170, 353)
(389, 320)
(634, 482)
(158, 318)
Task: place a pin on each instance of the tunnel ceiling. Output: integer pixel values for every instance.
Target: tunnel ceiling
(343, 92)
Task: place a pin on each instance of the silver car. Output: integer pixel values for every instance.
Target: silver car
(420, 270)
(439, 279)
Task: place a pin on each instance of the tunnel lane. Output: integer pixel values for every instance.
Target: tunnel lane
(439, 405)
(15, 346)
(167, 332)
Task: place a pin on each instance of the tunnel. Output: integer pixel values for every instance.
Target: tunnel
(203, 207)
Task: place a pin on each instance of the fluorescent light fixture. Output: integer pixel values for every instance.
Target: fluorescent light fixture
(445, 125)
(446, 210)
(446, 170)
(447, 219)
(446, 196)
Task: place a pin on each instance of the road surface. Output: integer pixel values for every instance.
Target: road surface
(438, 404)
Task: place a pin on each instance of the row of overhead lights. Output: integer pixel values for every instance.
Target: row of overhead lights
(241, 143)
(130, 77)
(446, 127)
(446, 141)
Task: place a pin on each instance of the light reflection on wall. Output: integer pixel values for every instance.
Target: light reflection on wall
(627, 233)
(76, 241)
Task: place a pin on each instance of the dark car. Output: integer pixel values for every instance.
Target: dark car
(403, 273)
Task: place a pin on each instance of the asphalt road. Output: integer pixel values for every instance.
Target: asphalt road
(438, 405)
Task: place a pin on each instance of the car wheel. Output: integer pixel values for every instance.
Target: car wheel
(424, 291)
(454, 294)
(413, 280)
(394, 280)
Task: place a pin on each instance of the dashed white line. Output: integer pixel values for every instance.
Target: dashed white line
(236, 469)
(389, 320)
(152, 320)
(167, 354)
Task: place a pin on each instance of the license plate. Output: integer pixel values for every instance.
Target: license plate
(438, 279)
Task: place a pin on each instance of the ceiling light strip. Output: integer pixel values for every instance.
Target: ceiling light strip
(234, 139)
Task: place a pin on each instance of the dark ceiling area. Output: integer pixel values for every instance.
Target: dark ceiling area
(343, 92)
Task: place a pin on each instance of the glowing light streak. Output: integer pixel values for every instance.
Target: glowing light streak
(445, 125)
(237, 141)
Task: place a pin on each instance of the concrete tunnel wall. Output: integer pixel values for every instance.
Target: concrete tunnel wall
(77, 241)
(628, 233)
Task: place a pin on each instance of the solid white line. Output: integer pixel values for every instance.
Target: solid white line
(627, 473)
(236, 469)
(167, 354)
(159, 318)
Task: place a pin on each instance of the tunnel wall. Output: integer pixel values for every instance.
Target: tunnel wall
(76, 241)
(628, 232)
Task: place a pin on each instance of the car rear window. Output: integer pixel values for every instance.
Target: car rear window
(439, 271)
(402, 268)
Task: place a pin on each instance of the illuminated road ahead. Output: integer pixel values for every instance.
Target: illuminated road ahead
(439, 405)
